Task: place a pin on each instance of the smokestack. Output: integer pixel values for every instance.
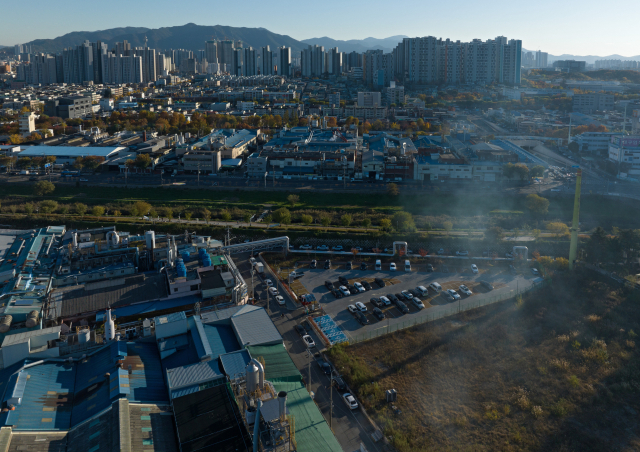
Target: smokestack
(282, 400)
(144, 136)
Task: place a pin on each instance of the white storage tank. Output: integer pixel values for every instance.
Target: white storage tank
(32, 319)
(84, 336)
(5, 323)
(252, 377)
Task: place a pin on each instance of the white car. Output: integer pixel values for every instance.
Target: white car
(465, 290)
(361, 307)
(392, 266)
(417, 303)
(453, 294)
(462, 253)
(345, 292)
(306, 247)
(338, 248)
(307, 340)
(322, 248)
(385, 300)
(273, 291)
(268, 282)
(350, 401)
(352, 308)
(474, 269)
(280, 300)
(535, 271)
(360, 287)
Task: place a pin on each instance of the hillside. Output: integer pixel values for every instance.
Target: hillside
(189, 36)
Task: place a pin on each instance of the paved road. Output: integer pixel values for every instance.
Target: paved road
(458, 273)
(350, 427)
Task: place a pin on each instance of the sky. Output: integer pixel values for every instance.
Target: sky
(578, 27)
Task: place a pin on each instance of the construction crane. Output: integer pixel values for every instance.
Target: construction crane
(575, 225)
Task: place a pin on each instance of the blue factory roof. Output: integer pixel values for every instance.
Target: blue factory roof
(235, 363)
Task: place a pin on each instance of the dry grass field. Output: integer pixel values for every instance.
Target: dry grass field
(558, 370)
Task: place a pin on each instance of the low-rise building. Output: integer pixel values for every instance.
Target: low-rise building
(592, 102)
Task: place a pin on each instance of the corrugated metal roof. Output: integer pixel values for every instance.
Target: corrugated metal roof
(278, 364)
(193, 374)
(255, 328)
(221, 339)
(235, 363)
(169, 318)
(200, 339)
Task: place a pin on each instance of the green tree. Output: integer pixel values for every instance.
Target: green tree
(306, 219)
(48, 206)
(43, 187)
(168, 213)
(325, 220)
(366, 223)
(188, 214)
(293, 200)
(403, 221)
(282, 215)
(392, 189)
(346, 219)
(225, 215)
(206, 214)
(142, 161)
(140, 208)
(385, 224)
(97, 211)
(494, 233)
(558, 228)
(64, 209)
(80, 208)
(29, 208)
(537, 171)
(537, 204)
(447, 226)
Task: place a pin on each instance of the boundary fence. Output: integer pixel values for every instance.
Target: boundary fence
(452, 309)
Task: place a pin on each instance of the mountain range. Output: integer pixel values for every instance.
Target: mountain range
(192, 37)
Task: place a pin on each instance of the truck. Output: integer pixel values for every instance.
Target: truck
(24, 172)
(260, 268)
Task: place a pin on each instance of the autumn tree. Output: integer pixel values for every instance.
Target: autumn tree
(537, 204)
(403, 221)
(43, 187)
(293, 200)
(392, 189)
(142, 161)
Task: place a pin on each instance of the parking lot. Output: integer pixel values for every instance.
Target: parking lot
(397, 281)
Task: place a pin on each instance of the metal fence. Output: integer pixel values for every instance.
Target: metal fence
(452, 309)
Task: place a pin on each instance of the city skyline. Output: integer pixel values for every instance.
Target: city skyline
(568, 30)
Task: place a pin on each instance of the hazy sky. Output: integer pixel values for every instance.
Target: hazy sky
(579, 27)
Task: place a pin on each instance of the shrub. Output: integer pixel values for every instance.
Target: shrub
(80, 208)
(43, 187)
(306, 219)
(225, 215)
(346, 219)
(536, 411)
(282, 215)
(48, 206)
(560, 408)
(97, 211)
(574, 381)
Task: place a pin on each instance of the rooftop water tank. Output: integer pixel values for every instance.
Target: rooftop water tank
(252, 377)
(84, 336)
(32, 319)
(5, 323)
(185, 256)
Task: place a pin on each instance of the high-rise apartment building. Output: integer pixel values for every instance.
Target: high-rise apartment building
(336, 61)
(225, 52)
(541, 59)
(284, 61)
(250, 62)
(123, 48)
(266, 61)
(211, 51)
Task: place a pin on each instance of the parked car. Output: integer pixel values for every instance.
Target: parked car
(392, 297)
(306, 247)
(361, 307)
(508, 255)
(313, 264)
(380, 282)
(402, 307)
(406, 294)
(350, 401)
(366, 285)
(327, 264)
(344, 281)
(84, 180)
(422, 290)
(268, 282)
(462, 253)
(486, 284)
(452, 294)
(273, 291)
(322, 248)
(338, 248)
(309, 341)
(280, 300)
(535, 271)
(384, 300)
(376, 302)
(339, 383)
(441, 251)
(353, 289)
(465, 290)
(435, 287)
(344, 291)
(474, 269)
(417, 303)
(348, 266)
(392, 266)
(414, 292)
(363, 266)
(352, 308)
(322, 364)
(300, 330)
(429, 267)
(360, 287)
(328, 285)
(378, 314)
(336, 293)
(360, 317)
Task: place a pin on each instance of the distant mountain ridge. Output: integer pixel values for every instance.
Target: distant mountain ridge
(590, 59)
(357, 45)
(189, 37)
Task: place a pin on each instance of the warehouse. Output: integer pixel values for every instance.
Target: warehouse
(68, 154)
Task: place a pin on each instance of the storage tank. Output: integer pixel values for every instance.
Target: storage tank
(32, 319)
(113, 238)
(150, 238)
(109, 327)
(185, 256)
(84, 336)
(252, 377)
(282, 402)
(250, 415)
(5, 323)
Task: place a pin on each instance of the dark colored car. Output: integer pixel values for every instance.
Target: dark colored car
(392, 297)
(366, 285)
(414, 292)
(325, 366)
(429, 267)
(306, 326)
(402, 307)
(336, 293)
(352, 289)
(378, 314)
(348, 266)
(327, 264)
(486, 284)
(344, 281)
(339, 383)
(376, 302)
(380, 282)
(399, 296)
(363, 266)
(360, 317)
(328, 285)
(300, 330)
(313, 264)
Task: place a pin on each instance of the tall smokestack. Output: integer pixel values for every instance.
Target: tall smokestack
(282, 400)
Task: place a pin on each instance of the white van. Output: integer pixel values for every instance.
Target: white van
(435, 287)
(423, 290)
(407, 266)
(378, 265)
